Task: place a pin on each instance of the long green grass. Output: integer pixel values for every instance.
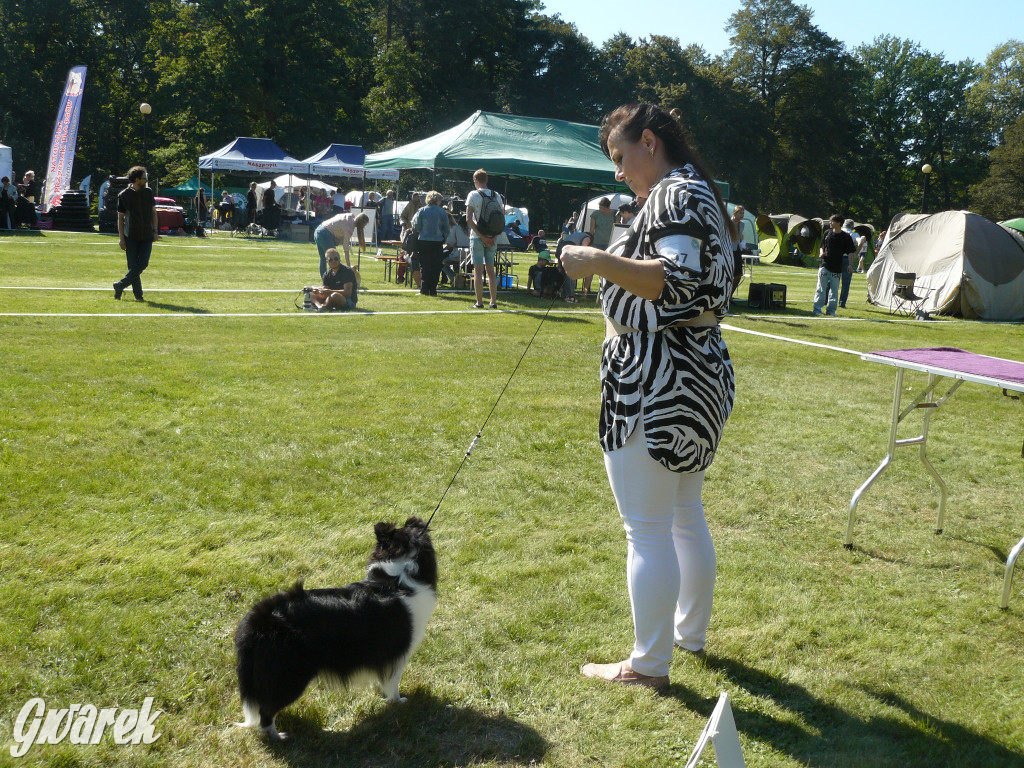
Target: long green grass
(163, 465)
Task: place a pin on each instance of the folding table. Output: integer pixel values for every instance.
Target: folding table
(944, 366)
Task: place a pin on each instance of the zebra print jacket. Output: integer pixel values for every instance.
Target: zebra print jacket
(678, 382)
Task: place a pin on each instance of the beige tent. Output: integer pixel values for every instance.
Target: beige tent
(965, 265)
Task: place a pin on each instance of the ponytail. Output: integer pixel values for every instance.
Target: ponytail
(631, 120)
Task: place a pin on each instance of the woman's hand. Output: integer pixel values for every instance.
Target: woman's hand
(578, 261)
(643, 278)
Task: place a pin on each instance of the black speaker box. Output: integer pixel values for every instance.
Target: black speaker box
(767, 296)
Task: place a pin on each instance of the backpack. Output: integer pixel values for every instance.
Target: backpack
(491, 219)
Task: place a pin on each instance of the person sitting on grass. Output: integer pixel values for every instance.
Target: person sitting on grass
(544, 259)
(340, 289)
(568, 289)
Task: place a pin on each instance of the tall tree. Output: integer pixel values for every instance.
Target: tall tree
(887, 123)
(952, 130)
(40, 40)
(1001, 195)
(1000, 87)
(466, 55)
(774, 47)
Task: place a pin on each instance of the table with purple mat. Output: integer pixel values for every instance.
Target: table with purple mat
(947, 367)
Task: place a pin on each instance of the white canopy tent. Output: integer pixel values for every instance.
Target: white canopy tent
(6, 162)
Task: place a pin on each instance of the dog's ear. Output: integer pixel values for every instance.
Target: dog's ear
(415, 522)
(385, 532)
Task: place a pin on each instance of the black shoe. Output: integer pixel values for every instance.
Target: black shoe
(118, 290)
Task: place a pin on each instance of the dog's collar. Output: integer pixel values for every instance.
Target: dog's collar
(401, 570)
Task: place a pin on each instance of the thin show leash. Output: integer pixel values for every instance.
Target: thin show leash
(479, 432)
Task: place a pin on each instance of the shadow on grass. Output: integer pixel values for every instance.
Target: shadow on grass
(520, 300)
(176, 308)
(21, 233)
(425, 731)
(817, 733)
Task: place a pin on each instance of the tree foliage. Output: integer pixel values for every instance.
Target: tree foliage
(787, 115)
(1000, 195)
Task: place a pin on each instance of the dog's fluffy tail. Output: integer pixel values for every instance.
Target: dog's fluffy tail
(253, 631)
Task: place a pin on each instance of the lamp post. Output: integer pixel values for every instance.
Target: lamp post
(926, 170)
(145, 109)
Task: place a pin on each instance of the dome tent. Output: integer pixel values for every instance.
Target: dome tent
(965, 265)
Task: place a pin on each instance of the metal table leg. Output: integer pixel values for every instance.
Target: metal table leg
(927, 401)
(1011, 561)
(848, 539)
(930, 405)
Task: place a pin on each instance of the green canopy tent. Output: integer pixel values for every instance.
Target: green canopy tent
(510, 145)
(186, 189)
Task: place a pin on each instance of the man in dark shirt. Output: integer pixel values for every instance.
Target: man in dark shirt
(250, 204)
(836, 249)
(339, 291)
(137, 227)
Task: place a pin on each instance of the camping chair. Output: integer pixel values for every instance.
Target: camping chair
(905, 300)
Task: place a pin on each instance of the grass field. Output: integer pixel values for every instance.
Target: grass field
(163, 465)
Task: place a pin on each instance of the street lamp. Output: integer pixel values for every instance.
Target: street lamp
(926, 170)
(145, 109)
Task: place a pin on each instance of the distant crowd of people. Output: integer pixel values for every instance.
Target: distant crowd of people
(18, 201)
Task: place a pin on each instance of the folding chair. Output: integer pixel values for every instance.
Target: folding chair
(905, 300)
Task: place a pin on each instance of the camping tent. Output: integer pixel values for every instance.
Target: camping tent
(186, 189)
(965, 265)
(1017, 224)
(6, 162)
(748, 226)
(514, 214)
(615, 199)
(771, 235)
(509, 145)
(868, 231)
(779, 234)
(252, 156)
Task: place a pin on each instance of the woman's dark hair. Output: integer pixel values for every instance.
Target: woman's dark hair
(630, 120)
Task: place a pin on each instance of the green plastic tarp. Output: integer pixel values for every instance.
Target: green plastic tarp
(510, 145)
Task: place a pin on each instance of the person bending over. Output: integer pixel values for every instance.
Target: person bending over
(337, 231)
(339, 289)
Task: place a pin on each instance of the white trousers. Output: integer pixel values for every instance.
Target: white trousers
(670, 566)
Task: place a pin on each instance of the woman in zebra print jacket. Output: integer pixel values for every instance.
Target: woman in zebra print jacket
(667, 383)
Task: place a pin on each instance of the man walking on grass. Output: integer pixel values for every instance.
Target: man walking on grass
(836, 249)
(481, 245)
(137, 227)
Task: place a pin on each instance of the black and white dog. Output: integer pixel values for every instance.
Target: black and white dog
(358, 634)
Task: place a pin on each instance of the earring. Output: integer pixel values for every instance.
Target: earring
(651, 151)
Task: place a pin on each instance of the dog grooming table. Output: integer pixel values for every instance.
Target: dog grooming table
(944, 365)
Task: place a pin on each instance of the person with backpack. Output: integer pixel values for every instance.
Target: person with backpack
(485, 214)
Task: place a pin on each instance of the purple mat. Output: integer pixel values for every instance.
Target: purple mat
(961, 361)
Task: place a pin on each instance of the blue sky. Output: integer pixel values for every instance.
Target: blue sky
(957, 30)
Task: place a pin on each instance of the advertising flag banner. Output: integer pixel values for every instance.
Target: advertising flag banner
(65, 134)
